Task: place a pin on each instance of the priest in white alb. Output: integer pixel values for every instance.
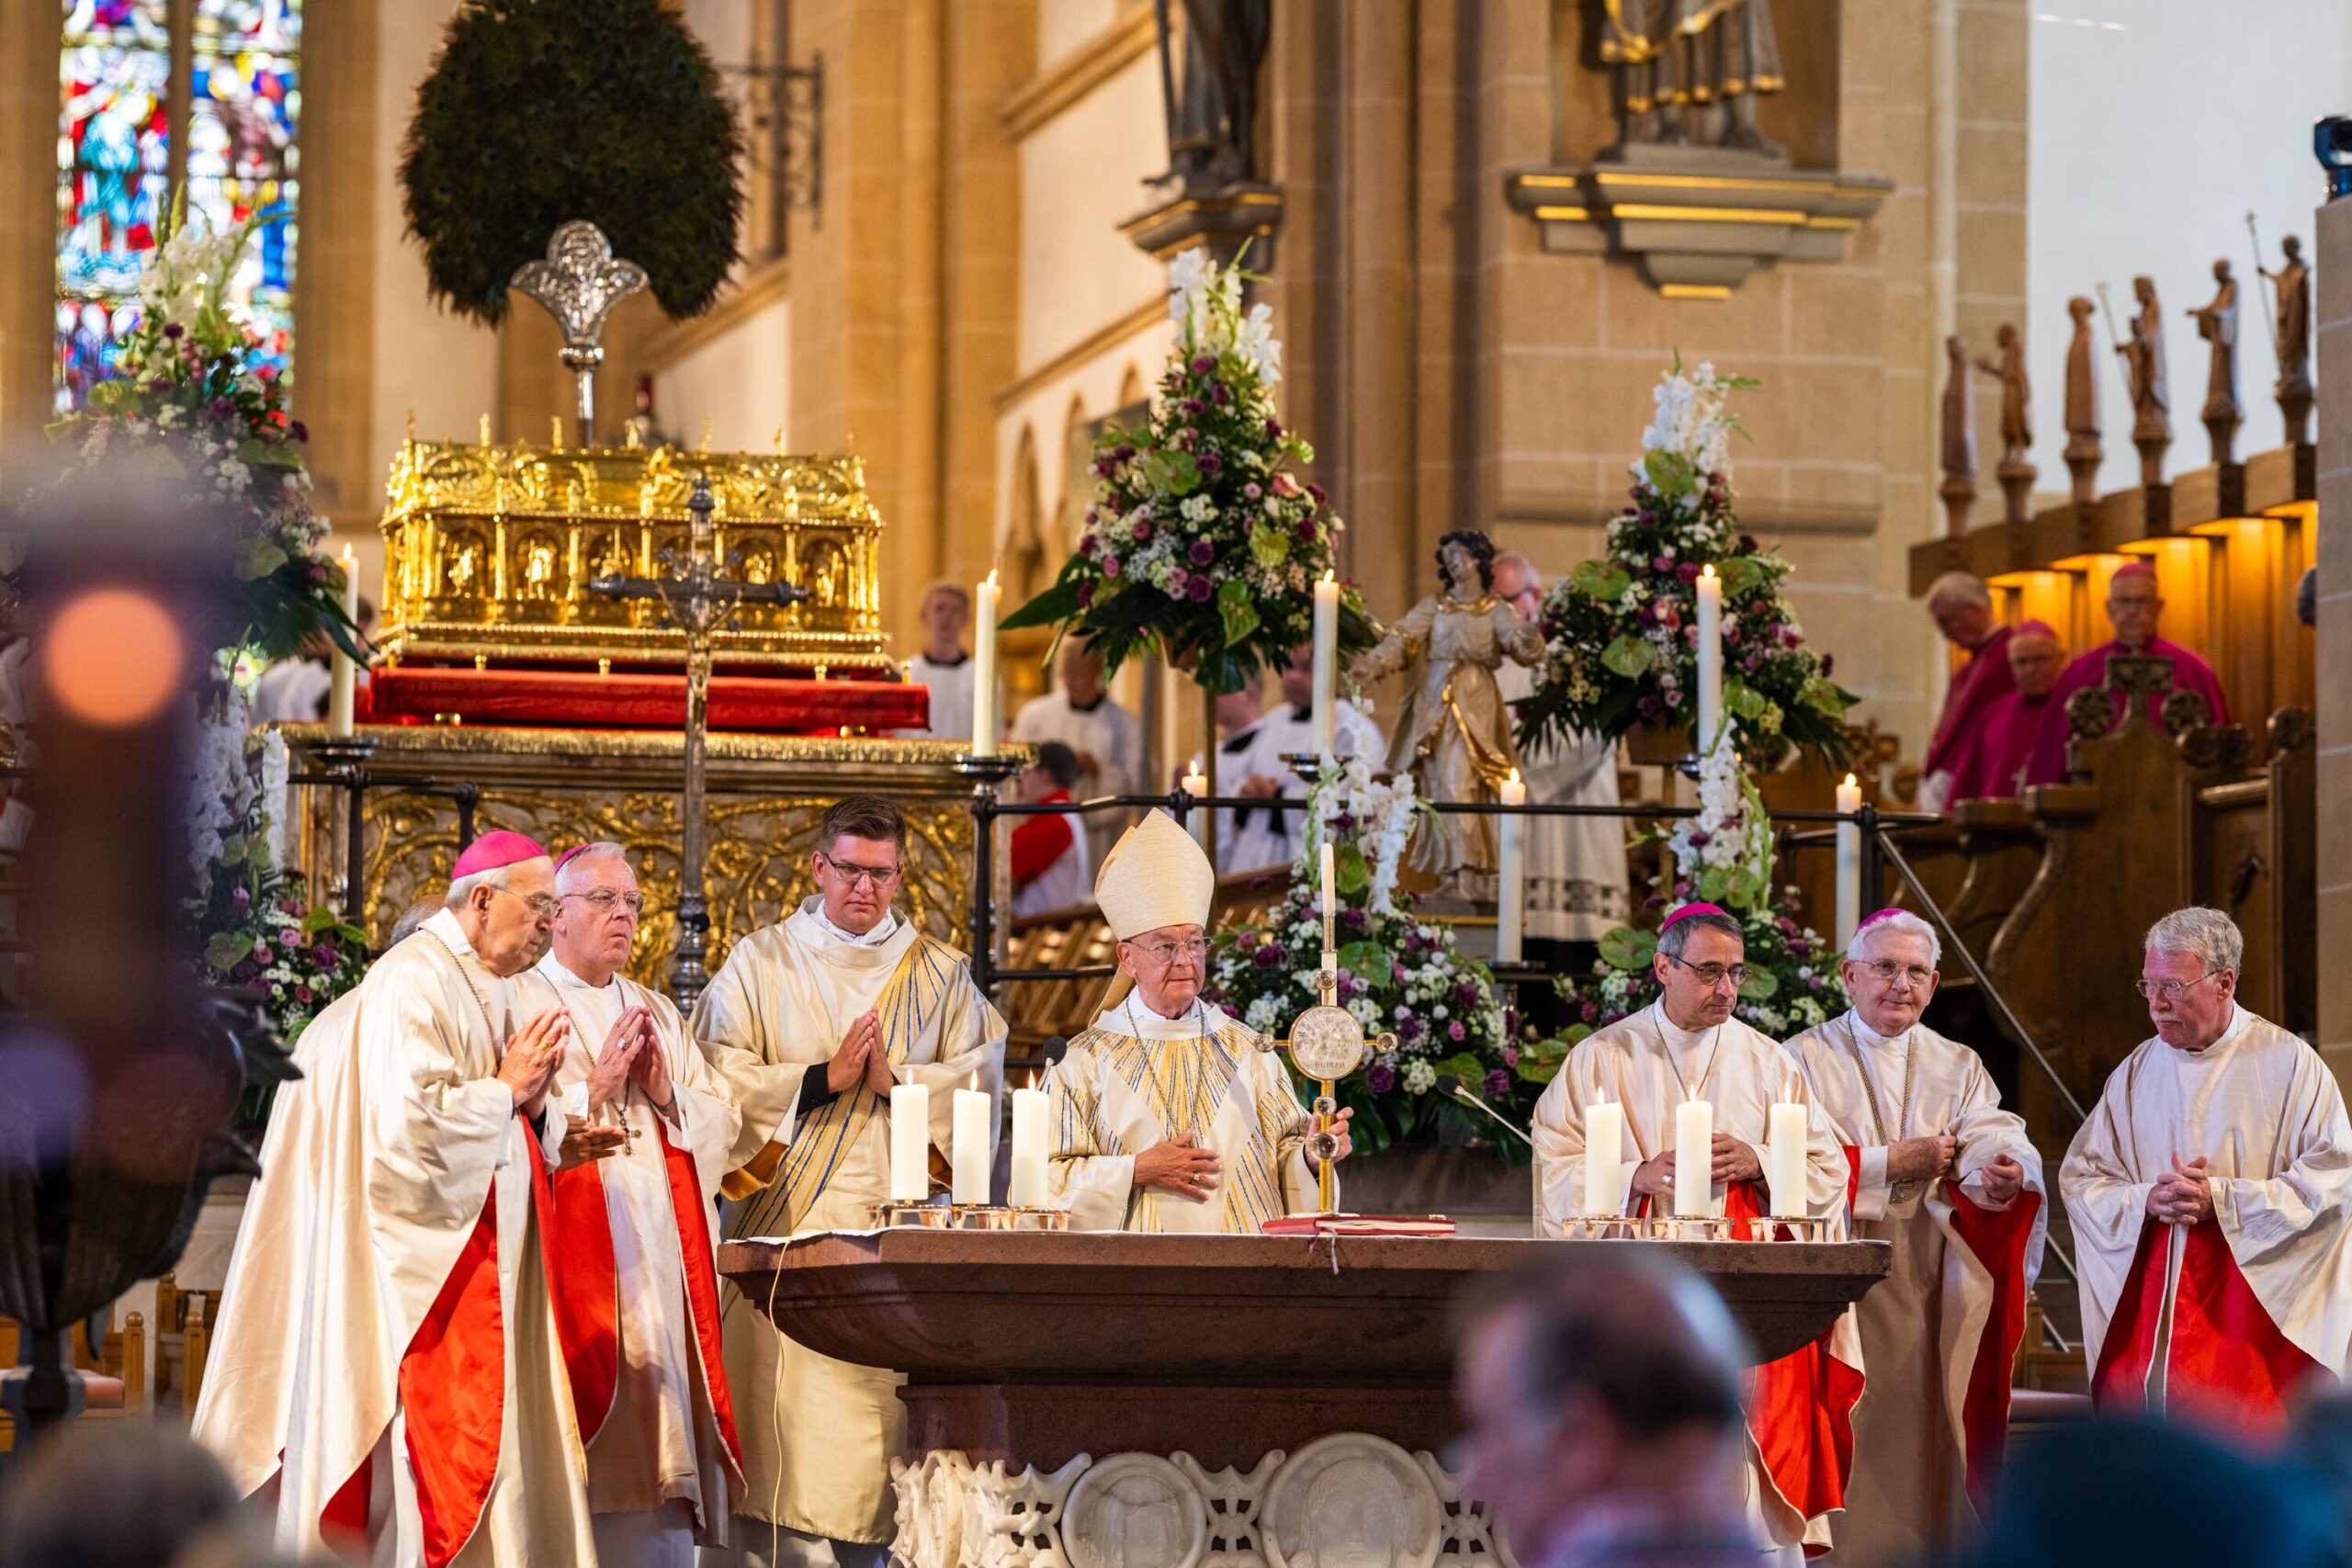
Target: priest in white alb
(1939, 1170)
(1687, 1046)
(2211, 1196)
(812, 1023)
(1166, 1115)
(388, 1377)
(635, 1266)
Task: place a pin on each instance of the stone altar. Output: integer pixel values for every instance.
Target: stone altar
(1103, 1400)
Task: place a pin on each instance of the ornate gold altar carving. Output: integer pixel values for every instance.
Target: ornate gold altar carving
(766, 793)
(489, 550)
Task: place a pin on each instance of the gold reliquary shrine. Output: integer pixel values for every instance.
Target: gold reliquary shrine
(489, 551)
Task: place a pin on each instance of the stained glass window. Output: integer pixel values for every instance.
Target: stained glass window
(129, 132)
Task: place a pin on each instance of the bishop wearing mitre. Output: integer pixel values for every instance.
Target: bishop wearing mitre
(388, 1378)
(1939, 1170)
(2211, 1196)
(1166, 1115)
(636, 1278)
(811, 1024)
(1684, 1047)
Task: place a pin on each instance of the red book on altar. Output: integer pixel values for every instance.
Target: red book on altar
(1357, 1224)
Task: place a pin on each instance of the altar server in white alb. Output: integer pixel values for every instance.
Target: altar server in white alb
(1250, 763)
(944, 665)
(1080, 712)
(1166, 1115)
(812, 1023)
(1938, 1169)
(636, 1277)
(1688, 1047)
(2210, 1195)
(389, 1376)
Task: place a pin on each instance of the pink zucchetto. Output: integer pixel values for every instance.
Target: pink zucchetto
(495, 849)
(2034, 628)
(2133, 569)
(1688, 910)
(1877, 915)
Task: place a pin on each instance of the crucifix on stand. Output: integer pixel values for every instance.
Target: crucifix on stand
(698, 599)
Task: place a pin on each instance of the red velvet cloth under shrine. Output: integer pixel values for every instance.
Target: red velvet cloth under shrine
(639, 700)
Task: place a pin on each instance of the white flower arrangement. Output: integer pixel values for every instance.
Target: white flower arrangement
(1693, 421)
(1380, 811)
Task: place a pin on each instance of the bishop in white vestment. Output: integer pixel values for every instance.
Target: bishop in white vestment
(636, 1267)
(388, 1375)
(2211, 1196)
(1936, 1169)
(1687, 1045)
(1166, 1115)
(811, 1024)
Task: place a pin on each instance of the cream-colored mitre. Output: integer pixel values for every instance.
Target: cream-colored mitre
(1154, 876)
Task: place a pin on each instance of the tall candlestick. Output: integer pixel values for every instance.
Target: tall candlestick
(1784, 1165)
(984, 725)
(1510, 890)
(1849, 862)
(910, 1143)
(1030, 1144)
(1694, 1159)
(1711, 657)
(1327, 661)
(1604, 1157)
(968, 1164)
(1328, 882)
(340, 694)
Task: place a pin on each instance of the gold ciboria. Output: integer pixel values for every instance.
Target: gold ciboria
(1326, 1044)
(489, 549)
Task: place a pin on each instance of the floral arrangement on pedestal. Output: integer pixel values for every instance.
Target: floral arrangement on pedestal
(1397, 972)
(1723, 856)
(1201, 539)
(193, 413)
(1620, 632)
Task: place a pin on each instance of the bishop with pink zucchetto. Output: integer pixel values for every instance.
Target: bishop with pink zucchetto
(1688, 1045)
(389, 1380)
(1993, 758)
(2133, 606)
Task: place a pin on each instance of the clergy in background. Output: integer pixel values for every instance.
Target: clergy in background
(812, 1023)
(1996, 758)
(1938, 1169)
(1166, 1115)
(1048, 850)
(388, 1375)
(2211, 1196)
(636, 1277)
(1687, 1046)
(1576, 865)
(1275, 834)
(1961, 607)
(2133, 607)
(1080, 714)
(944, 665)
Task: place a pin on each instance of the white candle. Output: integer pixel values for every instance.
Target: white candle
(1029, 1149)
(1327, 661)
(1711, 656)
(910, 1143)
(1604, 1157)
(1511, 896)
(968, 1163)
(1328, 885)
(1694, 1158)
(341, 695)
(1849, 862)
(984, 725)
(1196, 785)
(1784, 1167)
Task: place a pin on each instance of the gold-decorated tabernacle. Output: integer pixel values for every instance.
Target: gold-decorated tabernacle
(489, 550)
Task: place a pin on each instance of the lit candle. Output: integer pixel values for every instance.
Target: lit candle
(1330, 881)
(984, 725)
(1029, 1149)
(1604, 1157)
(1327, 661)
(1694, 1158)
(1711, 657)
(342, 694)
(1510, 897)
(974, 1144)
(1849, 862)
(1196, 785)
(1784, 1167)
(910, 1143)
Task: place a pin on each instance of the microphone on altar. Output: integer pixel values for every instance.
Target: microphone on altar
(1451, 1086)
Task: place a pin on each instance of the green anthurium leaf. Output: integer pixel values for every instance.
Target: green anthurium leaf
(1744, 700)
(319, 919)
(1365, 958)
(1628, 950)
(1669, 473)
(1268, 545)
(1349, 870)
(1602, 580)
(232, 849)
(1739, 574)
(1237, 610)
(258, 558)
(1466, 1066)
(1759, 986)
(1714, 884)
(1745, 889)
(226, 949)
(1627, 656)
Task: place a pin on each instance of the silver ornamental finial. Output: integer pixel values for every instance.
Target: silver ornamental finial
(579, 284)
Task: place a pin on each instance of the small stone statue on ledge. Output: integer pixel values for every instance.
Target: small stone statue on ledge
(2143, 353)
(2292, 334)
(2216, 324)
(2084, 452)
(2017, 421)
(1677, 61)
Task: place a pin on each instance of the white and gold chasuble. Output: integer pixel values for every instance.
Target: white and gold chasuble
(1136, 1081)
(817, 1434)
